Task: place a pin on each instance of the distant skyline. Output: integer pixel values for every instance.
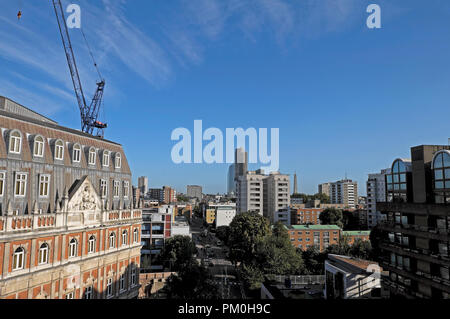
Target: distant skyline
(347, 99)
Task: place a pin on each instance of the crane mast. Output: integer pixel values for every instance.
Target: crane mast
(89, 113)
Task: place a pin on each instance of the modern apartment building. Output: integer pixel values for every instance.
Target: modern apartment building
(194, 191)
(156, 193)
(415, 238)
(156, 228)
(250, 193)
(143, 185)
(376, 192)
(344, 192)
(68, 226)
(276, 196)
(324, 188)
(224, 215)
(170, 195)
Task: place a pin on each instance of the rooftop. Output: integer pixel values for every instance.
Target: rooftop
(314, 227)
(356, 232)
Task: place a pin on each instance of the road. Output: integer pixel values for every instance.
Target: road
(214, 257)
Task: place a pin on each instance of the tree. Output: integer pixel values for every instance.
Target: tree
(361, 249)
(178, 252)
(332, 216)
(191, 282)
(252, 276)
(246, 230)
(324, 198)
(275, 255)
(314, 261)
(223, 233)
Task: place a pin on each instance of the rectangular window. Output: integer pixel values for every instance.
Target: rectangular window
(88, 292)
(76, 155)
(106, 158)
(116, 188)
(2, 183)
(122, 282)
(44, 185)
(133, 277)
(20, 184)
(109, 287)
(70, 295)
(103, 188)
(126, 189)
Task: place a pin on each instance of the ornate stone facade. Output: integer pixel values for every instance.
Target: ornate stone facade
(68, 224)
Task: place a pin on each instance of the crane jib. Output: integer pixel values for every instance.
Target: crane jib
(89, 113)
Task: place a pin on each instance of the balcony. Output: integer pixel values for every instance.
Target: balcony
(416, 253)
(415, 208)
(415, 230)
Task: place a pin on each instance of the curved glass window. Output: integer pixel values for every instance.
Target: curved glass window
(15, 142)
(441, 167)
(397, 180)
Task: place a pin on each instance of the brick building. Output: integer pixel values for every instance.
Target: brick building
(306, 236)
(68, 225)
(353, 235)
(301, 216)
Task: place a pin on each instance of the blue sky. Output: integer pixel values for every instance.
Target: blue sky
(347, 100)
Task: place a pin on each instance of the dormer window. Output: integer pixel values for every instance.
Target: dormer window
(15, 142)
(76, 156)
(59, 150)
(38, 148)
(118, 160)
(92, 155)
(106, 158)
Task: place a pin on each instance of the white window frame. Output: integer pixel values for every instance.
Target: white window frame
(118, 162)
(18, 259)
(44, 179)
(116, 189)
(92, 155)
(20, 178)
(70, 295)
(76, 153)
(136, 235)
(109, 287)
(126, 189)
(88, 292)
(15, 141)
(105, 161)
(124, 238)
(91, 244)
(103, 188)
(38, 146)
(112, 240)
(2, 183)
(73, 248)
(122, 282)
(44, 251)
(59, 150)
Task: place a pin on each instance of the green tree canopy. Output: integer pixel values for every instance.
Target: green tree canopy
(332, 216)
(191, 282)
(223, 233)
(246, 230)
(178, 252)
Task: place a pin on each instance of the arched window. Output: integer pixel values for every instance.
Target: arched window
(441, 174)
(19, 258)
(124, 238)
(92, 156)
(91, 244)
(106, 158)
(59, 150)
(43, 254)
(135, 235)
(15, 142)
(112, 240)
(118, 160)
(38, 148)
(76, 156)
(73, 247)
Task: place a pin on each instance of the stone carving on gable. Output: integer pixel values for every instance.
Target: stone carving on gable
(85, 199)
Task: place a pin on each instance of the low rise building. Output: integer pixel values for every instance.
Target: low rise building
(300, 216)
(321, 236)
(224, 215)
(351, 278)
(353, 235)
